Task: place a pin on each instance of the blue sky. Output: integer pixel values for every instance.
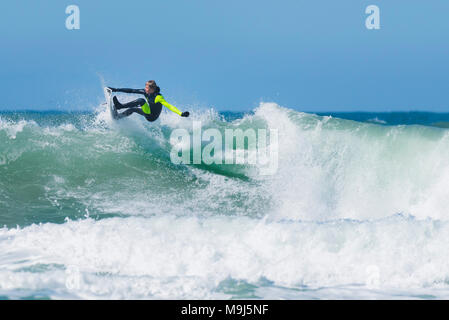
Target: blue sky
(311, 55)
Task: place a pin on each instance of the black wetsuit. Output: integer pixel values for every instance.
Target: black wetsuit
(150, 107)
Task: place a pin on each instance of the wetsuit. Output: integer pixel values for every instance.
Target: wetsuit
(150, 107)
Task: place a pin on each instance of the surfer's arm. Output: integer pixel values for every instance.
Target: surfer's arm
(127, 90)
(160, 98)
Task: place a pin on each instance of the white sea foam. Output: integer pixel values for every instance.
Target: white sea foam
(13, 128)
(188, 257)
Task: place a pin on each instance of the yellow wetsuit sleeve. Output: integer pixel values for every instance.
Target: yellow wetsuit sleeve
(160, 98)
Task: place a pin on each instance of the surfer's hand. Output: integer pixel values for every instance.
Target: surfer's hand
(185, 114)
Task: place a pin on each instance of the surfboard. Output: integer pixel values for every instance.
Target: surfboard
(109, 103)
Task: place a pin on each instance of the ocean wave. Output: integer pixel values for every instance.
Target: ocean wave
(329, 168)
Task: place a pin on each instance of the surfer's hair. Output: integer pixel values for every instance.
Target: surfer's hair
(152, 84)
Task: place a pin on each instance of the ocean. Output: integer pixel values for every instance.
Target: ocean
(91, 208)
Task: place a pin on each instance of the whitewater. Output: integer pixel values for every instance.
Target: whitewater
(91, 208)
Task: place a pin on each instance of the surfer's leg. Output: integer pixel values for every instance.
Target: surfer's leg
(156, 112)
(129, 112)
(132, 104)
(151, 117)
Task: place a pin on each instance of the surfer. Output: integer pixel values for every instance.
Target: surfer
(150, 106)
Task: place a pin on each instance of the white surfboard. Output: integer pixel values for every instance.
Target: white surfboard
(109, 103)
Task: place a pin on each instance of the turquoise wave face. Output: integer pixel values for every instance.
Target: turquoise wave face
(55, 166)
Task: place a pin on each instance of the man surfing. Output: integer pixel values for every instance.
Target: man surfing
(150, 106)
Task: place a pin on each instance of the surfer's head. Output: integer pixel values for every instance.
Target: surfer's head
(151, 87)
